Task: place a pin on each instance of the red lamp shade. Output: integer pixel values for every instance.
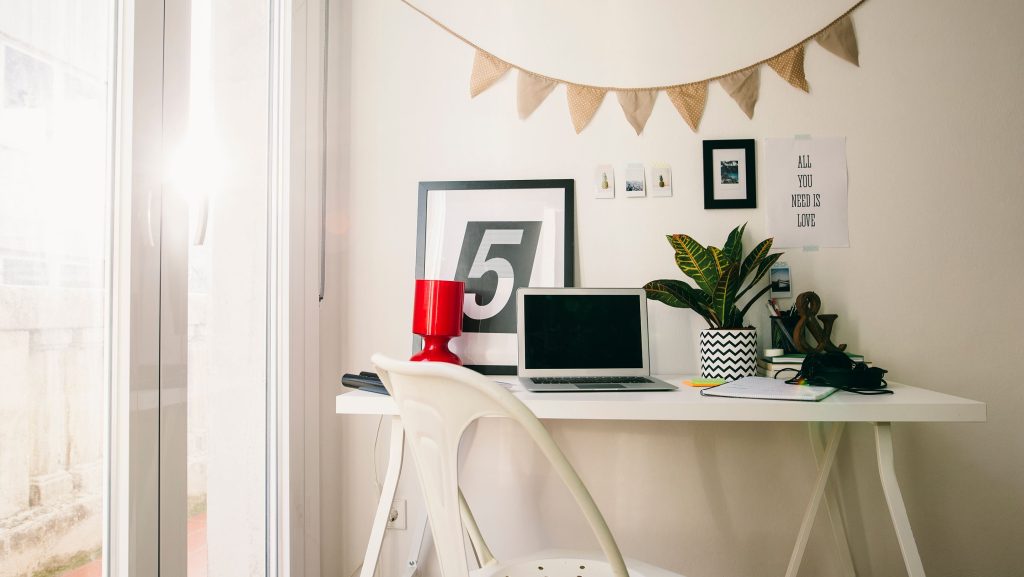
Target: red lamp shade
(437, 317)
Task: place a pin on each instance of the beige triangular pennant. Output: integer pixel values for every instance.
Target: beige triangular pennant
(744, 87)
(531, 90)
(583, 103)
(486, 71)
(690, 100)
(637, 106)
(840, 39)
(790, 66)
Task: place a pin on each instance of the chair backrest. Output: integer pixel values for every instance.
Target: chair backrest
(437, 402)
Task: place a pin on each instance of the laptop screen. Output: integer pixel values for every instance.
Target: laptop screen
(583, 331)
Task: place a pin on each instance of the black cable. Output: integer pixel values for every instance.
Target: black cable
(818, 381)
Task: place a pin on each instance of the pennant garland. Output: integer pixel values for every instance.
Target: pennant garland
(486, 71)
(583, 103)
(637, 106)
(689, 99)
(744, 87)
(790, 66)
(840, 40)
(532, 90)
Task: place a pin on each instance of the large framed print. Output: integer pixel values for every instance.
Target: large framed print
(496, 236)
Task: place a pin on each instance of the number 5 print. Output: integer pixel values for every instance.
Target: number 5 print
(496, 259)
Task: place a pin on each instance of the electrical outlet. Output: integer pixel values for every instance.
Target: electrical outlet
(396, 516)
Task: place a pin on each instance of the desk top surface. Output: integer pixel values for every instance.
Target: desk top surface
(906, 404)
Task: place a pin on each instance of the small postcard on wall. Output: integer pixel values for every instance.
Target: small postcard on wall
(661, 180)
(806, 190)
(635, 181)
(604, 181)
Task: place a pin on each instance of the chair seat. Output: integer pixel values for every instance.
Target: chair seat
(567, 563)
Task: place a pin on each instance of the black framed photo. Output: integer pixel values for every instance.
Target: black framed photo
(496, 236)
(730, 179)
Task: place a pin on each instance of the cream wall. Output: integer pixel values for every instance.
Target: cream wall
(929, 287)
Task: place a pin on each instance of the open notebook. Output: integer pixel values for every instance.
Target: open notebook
(767, 388)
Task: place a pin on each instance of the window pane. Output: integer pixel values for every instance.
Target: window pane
(225, 178)
(55, 126)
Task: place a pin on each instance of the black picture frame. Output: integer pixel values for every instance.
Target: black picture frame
(730, 174)
(479, 231)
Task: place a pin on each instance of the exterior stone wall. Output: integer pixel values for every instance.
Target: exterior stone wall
(52, 422)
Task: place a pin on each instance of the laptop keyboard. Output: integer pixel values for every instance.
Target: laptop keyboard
(588, 380)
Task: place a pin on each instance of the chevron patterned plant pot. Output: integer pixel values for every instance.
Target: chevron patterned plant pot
(728, 353)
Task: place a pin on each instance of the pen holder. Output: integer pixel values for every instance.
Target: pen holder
(782, 333)
(437, 317)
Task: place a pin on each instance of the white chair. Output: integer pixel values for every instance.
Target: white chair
(436, 403)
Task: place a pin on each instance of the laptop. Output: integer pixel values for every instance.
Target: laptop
(578, 339)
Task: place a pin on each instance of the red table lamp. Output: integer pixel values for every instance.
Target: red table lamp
(437, 317)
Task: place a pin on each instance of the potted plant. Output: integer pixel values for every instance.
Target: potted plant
(724, 277)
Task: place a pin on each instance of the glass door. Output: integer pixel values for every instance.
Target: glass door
(223, 174)
(136, 288)
(56, 150)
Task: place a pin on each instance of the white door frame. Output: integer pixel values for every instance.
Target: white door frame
(132, 530)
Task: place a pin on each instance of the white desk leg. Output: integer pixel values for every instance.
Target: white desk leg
(812, 507)
(387, 496)
(894, 498)
(835, 512)
(421, 538)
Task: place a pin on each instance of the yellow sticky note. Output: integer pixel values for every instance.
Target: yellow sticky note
(703, 382)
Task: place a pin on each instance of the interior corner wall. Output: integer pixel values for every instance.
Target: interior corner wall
(928, 288)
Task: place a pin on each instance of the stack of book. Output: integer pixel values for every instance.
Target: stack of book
(768, 366)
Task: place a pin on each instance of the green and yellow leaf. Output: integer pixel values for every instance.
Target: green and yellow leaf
(676, 293)
(755, 256)
(724, 300)
(721, 261)
(733, 248)
(695, 261)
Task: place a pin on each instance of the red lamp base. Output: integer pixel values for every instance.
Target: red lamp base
(435, 348)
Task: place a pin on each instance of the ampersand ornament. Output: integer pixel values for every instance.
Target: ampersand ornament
(807, 306)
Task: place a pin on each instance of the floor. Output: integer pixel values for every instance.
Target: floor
(196, 552)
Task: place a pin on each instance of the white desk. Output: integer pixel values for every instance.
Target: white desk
(907, 404)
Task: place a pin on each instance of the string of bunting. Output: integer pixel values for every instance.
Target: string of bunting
(689, 98)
